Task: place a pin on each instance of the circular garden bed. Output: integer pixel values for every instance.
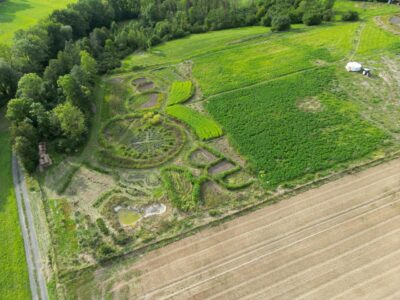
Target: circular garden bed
(140, 141)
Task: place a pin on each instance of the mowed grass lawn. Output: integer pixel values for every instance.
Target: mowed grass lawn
(293, 127)
(14, 281)
(21, 14)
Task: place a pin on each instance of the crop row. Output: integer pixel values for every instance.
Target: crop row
(180, 92)
(204, 127)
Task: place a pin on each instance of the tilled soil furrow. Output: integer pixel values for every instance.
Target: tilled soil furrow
(384, 286)
(393, 295)
(303, 247)
(303, 201)
(345, 276)
(275, 271)
(354, 258)
(313, 233)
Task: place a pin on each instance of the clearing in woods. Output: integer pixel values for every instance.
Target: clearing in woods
(340, 240)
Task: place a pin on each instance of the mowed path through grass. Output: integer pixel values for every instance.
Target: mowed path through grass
(21, 14)
(14, 282)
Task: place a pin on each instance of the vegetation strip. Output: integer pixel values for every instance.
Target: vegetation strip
(180, 92)
(204, 127)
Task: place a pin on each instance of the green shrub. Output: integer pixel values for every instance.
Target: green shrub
(266, 21)
(328, 15)
(311, 18)
(350, 16)
(102, 226)
(280, 23)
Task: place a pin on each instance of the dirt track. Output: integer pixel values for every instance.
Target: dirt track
(341, 240)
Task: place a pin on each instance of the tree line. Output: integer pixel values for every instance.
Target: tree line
(48, 75)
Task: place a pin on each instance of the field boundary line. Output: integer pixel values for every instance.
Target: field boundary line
(277, 250)
(358, 270)
(265, 243)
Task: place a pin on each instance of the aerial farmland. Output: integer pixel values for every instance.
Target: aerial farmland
(221, 161)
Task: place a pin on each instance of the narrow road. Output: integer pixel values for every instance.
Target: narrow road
(36, 278)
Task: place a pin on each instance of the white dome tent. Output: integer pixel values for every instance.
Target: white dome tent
(354, 67)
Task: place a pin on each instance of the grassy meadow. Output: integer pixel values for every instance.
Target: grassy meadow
(14, 282)
(21, 14)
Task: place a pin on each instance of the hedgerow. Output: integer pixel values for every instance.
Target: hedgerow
(287, 143)
(204, 127)
(180, 92)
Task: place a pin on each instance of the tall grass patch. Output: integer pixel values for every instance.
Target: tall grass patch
(180, 92)
(14, 281)
(204, 127)
(287, 143)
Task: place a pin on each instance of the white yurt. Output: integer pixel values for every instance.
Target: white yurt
(354, 67)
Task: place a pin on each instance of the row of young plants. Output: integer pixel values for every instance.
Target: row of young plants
(287, 143)
(180, 92)
(204, 127)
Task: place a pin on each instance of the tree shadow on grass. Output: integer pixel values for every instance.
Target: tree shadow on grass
(9, 8)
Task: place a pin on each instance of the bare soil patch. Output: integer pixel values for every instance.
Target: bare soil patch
(152, 102)
(340, 240)
(202, 157)
(395, 20)
(310, 105)
(145, 86)
(222, 145)
(139, 81)
(87, 186)
(212, 194)
(221, 167)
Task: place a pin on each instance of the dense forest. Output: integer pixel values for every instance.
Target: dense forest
(48, 75)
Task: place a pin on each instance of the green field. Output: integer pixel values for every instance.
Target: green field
(21, 14)
(180, 92)
(14, 281)
(301, 128)
(204, 127)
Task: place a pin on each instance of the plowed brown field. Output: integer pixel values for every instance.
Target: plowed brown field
(339, 241)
